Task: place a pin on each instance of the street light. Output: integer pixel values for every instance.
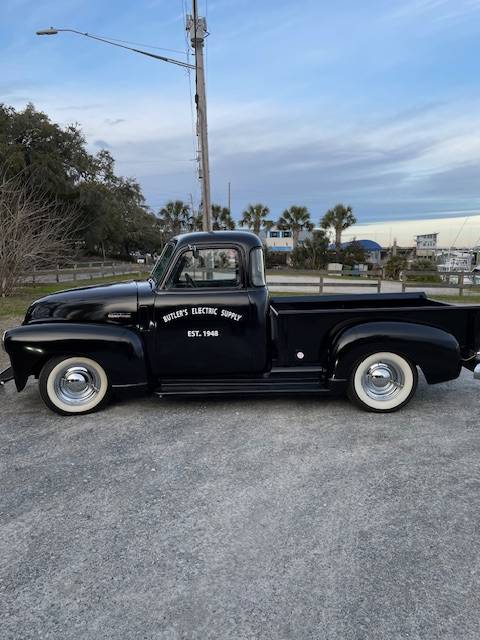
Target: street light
(53, 32)
(198, 28)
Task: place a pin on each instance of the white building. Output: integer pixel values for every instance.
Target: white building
(426, 245)
(278, 240)
(456, 232)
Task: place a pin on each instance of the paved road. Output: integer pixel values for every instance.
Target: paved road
(242, 519)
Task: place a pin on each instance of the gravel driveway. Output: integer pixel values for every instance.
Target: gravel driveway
(242, 519)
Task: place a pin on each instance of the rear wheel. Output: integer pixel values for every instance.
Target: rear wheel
(382, 382)
(74, 385)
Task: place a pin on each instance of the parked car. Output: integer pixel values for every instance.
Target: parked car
(205, 324)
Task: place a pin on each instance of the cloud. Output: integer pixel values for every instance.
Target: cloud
(80, 107)
(101, 144)
(436, 8)
(423, 157)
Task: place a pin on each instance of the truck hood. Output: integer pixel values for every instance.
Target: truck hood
(112, 303)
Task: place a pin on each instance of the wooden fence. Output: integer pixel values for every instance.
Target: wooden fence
(84, 271)
(448, 280)
(459, 280)
(372, 279)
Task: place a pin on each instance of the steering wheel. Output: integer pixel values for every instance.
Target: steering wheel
(190, 282)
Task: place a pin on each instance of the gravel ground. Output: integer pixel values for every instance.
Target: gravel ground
(242, 519)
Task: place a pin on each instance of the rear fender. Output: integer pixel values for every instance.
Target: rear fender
(435, 351)
(119, 350)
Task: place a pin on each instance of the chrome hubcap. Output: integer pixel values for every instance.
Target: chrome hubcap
(77, 385)
(383, 381)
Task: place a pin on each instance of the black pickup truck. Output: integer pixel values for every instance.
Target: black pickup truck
(205, 324)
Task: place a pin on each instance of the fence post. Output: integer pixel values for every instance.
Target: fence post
(34, 275)
(57, 273)
(461, 283)
(404, 281)
(113, 268)
(320, 284)
(379, 284)
(75, 272)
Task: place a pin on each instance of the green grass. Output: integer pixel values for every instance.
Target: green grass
(17, 304)
(466, 299)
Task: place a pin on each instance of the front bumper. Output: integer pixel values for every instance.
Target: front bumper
(5, 376)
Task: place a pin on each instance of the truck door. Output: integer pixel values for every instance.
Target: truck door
(205, 323)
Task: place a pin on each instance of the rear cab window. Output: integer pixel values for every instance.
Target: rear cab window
(257, 267)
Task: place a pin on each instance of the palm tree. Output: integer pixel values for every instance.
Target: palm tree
(339, 218)
(222, 218)
(195, 221)
(254, 217)
(174, 217)
(295, 219)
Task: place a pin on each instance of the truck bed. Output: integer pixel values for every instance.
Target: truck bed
(353, 301)
(298, 322)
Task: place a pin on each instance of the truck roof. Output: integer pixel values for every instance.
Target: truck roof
(245, 238)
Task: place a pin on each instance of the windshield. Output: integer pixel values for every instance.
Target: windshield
(162, 263)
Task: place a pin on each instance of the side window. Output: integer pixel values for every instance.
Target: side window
(206, 268)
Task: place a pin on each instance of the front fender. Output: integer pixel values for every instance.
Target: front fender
(119, 350)
(435, 351)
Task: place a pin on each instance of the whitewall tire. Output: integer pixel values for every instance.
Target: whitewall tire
(382, 382)
(74, 385)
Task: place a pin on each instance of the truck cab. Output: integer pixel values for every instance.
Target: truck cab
(211, 306)
(205, 324)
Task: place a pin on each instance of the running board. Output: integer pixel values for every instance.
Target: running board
(281, 380)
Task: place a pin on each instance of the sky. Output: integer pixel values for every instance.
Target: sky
(375, 103)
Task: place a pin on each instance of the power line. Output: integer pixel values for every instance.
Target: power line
(452, 246)
(142, 44)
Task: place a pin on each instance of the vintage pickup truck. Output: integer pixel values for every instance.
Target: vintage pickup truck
(205, 324)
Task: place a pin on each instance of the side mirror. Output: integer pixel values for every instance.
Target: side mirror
(194, 250)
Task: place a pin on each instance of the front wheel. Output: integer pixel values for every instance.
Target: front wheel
(73, 385)
(382, 382)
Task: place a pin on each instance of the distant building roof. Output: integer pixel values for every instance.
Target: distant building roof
(367, 245)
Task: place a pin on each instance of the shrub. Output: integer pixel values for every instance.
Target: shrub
(394, 266)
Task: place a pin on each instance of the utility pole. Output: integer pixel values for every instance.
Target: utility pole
(198, 31)
(194, 214)
(230, 197)
(197, 27)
